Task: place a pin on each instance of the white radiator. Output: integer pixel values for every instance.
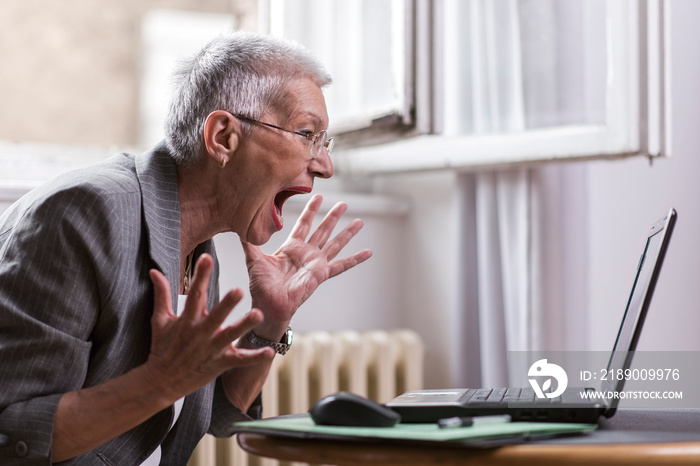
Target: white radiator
(375, 364)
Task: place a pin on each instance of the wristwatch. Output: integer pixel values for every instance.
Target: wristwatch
(280, 348)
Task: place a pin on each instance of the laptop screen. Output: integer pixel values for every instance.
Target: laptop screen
(640, 297)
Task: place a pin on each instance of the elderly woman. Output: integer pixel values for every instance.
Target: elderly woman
(113, 345)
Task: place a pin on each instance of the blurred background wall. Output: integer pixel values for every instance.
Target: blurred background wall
(71, 70)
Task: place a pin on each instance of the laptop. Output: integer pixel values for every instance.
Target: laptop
(535, 403)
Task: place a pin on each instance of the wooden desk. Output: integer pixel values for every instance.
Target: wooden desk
(635, 438)
(372, 454)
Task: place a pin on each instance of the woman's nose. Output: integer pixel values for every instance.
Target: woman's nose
(322, 166)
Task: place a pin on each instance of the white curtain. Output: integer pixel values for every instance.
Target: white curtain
(503, 214)
(505, 272)
(520, 227)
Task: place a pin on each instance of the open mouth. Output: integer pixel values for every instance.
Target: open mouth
(281, 198)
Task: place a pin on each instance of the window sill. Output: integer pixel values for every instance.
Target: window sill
(26, 166)
(472, 153)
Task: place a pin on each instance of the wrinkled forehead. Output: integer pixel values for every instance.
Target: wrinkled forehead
(302, 101)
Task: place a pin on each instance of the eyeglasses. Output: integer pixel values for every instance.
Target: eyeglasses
(318, 140)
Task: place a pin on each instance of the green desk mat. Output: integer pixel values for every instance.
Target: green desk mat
(301, 426)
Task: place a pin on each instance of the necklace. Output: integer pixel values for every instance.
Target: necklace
(186, 277)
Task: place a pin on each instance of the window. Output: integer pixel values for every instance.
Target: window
(508, 81)
(168, 36)
(368, 47)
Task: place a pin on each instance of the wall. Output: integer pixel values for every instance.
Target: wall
(626, 196)
(431, 269)
(71, 69)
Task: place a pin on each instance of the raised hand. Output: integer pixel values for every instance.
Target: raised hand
(281, 282)
(189, 351)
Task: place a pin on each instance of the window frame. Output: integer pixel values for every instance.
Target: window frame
(416, 117)
(637, 115)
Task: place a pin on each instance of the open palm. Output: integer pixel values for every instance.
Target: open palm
(281, 282)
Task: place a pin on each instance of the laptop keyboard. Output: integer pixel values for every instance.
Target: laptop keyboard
(486, 396)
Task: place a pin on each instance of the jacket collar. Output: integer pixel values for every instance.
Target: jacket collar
(157, 175)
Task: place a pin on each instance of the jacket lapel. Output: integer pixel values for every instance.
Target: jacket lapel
(157, 177)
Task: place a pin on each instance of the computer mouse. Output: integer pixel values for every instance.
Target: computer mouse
(349, 409)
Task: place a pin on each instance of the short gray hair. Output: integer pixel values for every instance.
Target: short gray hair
(242, 73)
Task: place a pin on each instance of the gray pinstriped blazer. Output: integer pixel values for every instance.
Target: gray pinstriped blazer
(76, 303)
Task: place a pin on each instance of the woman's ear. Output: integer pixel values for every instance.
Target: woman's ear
(221, 135)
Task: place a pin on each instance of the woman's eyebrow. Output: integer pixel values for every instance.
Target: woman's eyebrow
(309, 115)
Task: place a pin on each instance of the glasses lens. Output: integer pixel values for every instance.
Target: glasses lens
(329, 145)
(318, 143)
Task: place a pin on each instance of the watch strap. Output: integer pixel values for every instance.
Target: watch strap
(280, 347)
